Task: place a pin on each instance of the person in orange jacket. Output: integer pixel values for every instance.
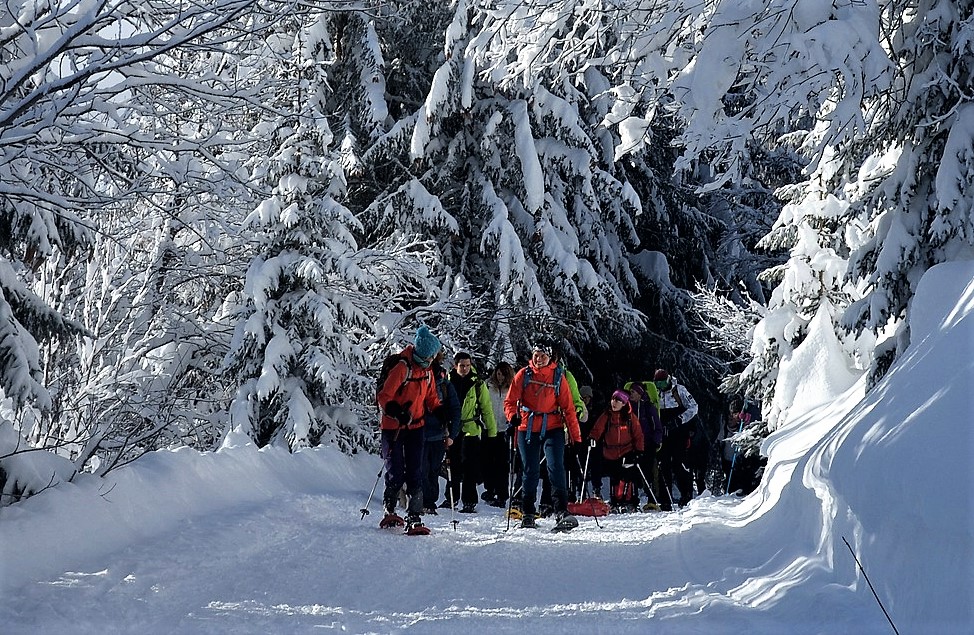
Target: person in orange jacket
(623, 444)
(408, 393)
(540, 405)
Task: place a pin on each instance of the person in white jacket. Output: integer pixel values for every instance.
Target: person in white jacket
(677, 408)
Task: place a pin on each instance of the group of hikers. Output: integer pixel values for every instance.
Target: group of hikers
(439, 421)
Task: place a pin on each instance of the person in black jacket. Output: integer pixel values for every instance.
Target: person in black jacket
(442, 428)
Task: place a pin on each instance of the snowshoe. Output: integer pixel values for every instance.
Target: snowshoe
(527, 522)
(566, 522)
(415, 527)
(515, 514)
(468, 509)
(651, 507)
(391, 520)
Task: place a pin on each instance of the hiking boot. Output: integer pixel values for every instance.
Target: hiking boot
(429, 511)
(527, 522)
(565, 522)
(468, 509)
(546, 510)
(415, 526)
(445, 504)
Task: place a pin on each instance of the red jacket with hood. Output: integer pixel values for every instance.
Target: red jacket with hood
(620, 432)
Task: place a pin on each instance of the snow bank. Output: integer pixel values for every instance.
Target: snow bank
(65, 527)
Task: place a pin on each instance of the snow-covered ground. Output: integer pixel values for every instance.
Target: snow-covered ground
(247, 541)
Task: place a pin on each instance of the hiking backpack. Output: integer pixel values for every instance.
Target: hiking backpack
(387, 365)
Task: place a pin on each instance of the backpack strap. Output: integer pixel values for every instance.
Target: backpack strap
(530, 413)
(676, 396)
(403, 359)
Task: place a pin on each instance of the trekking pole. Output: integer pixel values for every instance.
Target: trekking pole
(582, 491)
(648, 488)
(730, 474)
(449, 487)
(588, 453)
(365, 510)
(875, 595)
(510, 481)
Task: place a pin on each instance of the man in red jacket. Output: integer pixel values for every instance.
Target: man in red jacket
(539, 403)
(407, 394)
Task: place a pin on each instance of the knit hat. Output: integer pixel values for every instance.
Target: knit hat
(544, 346)
(426, 345)
(637, 388)
(661, 375)
(621, 395)
(585, 391)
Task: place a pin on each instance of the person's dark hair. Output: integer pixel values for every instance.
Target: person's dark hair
(506, 369)
(461, 355)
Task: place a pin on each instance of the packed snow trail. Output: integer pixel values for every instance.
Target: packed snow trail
(306, 561)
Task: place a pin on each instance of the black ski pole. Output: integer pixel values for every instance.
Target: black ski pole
(875, 595)
(588, 454)
(449, 486)
(365, 510)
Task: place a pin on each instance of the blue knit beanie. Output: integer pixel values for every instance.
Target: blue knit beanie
(426, 345)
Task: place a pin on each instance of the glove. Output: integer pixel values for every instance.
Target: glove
(399, 412)
(515, 421)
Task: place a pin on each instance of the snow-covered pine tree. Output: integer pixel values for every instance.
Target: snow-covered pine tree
(518, 193)
(624, 54)
(311, 296)
(878, 213)
(794, 62)
(917, 208)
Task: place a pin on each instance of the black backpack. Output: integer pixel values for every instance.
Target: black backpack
(387, 365)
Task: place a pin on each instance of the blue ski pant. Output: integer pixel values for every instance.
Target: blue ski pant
(552, 443)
